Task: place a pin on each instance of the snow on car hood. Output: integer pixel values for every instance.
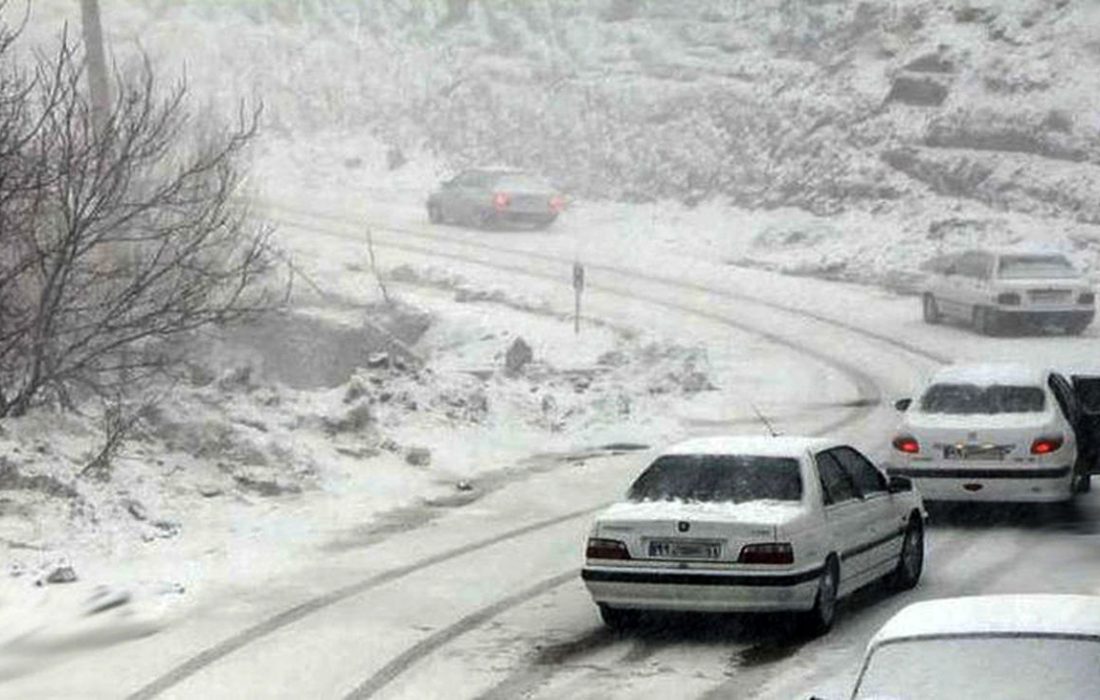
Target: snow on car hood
(755, 512)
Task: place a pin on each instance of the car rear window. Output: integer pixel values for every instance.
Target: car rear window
(719, 478)
(960, 399)
(522, 181)
(1022, 266)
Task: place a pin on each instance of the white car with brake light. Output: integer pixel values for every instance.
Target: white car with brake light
(753, 524)
(993, 432)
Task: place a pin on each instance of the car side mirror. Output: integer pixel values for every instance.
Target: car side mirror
(899, 484)
(903, 404)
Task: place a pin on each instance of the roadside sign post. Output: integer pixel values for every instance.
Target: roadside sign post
(578, 287)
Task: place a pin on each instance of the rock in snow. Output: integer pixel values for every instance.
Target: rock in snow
(418, 456)
(518, 356)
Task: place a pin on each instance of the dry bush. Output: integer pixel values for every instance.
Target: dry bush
(119, 230)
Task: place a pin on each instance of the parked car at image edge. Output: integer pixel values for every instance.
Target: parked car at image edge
(754, 524)
(486, 197)
(1008, 647)
(996, 290)
(998, 432)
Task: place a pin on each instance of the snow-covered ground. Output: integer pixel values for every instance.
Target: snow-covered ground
(266, 455)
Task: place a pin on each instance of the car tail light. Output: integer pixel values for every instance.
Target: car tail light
(1046, 445)
(1086, 298)
(767, 553)
(1009, 299)
(501, 200)
(907, 444)
(557, 204)
(605, 549)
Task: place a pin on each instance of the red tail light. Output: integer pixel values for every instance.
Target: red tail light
(557, 203)
(605, 549)
(767, 553)
(1047, 445)
(907, 444)
(501, 200)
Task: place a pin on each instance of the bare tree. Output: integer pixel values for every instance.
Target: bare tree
(122, 233)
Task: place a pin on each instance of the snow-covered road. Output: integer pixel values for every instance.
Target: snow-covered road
(486, 601)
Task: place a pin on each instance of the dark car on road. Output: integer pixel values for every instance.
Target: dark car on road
(487, 197)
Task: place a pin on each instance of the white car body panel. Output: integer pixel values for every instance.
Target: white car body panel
(865, 534)
(982, 625)
(991, 457)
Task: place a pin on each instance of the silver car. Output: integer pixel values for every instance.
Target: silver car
(994, 290)
(487, 197)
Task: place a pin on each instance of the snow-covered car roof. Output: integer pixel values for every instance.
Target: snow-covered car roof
(987, 374)
(991, 614)
(756, 445)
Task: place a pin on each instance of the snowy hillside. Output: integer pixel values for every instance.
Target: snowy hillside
(952, 123)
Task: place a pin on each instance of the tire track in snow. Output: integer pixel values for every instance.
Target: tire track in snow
(627, 272)
(870, 398)
(543, 666)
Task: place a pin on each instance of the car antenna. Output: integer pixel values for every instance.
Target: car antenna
(764, 420)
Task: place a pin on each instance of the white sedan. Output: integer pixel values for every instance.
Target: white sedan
(753, 524)
(1009, 647)
(994, 432)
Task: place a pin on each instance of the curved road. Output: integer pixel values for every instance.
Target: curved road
(486, 601)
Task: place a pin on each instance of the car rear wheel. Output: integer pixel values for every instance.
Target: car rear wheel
(1083, 483)
(618, 618)
(1076, 328)
(485, 219)
(985, 320)
(819, 619)
(911, 561)
(931, 309)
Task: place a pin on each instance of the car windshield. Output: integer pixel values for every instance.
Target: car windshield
(1022, 266)
(1001, 667)
(961, 399)
(719, 478)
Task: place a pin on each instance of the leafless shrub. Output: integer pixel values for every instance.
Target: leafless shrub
(118, 233)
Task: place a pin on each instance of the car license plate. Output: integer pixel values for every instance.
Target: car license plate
(1049, 295)
(994, 453)
(680, 549)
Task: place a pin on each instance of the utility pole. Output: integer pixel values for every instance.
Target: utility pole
(98, 85)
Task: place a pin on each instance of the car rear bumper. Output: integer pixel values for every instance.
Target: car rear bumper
(1042, 316)
(701, 591)
(525, 217)
(1032, 485)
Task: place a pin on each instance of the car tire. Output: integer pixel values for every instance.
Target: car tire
(485, 219)
(1076, 328)
(1083, 483)
(618, 619)
(931, 309)
(435, 214)
(985, 320)
(911, 560)
(819, 619)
